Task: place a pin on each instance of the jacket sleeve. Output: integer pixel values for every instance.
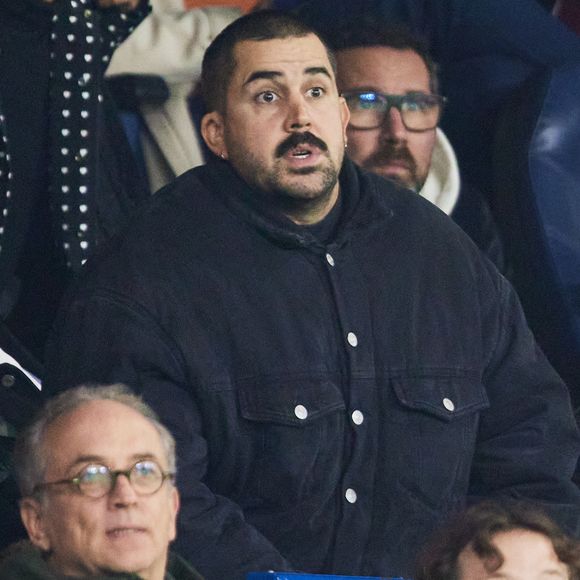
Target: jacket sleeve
(528, 442)
(105, 339)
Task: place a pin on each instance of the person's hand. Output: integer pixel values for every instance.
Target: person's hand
(121, 5)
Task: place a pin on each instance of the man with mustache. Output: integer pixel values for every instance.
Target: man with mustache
(339, 364)
(390, 83)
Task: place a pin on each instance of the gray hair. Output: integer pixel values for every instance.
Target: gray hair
(29, 454)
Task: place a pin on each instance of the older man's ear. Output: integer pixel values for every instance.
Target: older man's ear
(175, 505)
(31, 512)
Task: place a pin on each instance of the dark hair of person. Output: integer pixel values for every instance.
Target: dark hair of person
(219, 62)
(477, 527)
(368, 32)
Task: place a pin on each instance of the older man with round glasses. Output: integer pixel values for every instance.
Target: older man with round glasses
(390, 84)
(96, 472)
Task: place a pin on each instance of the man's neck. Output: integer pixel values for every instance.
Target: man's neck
(305, 214)
(325, 229)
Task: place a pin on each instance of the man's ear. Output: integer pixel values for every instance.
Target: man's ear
(174, 506)
(212, 131)
(344, 116)
(31, 512)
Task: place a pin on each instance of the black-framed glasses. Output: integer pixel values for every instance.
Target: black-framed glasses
(419, 111)
(96, 480)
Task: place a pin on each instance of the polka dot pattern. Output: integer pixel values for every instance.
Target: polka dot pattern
(83, 41)
(6, 178)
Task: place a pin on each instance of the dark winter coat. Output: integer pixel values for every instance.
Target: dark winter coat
(332, 403)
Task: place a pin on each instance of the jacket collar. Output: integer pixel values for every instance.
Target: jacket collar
(363, 206)
(27, 560)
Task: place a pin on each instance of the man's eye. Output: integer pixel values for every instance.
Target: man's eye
(366, 102)
(93, 475)
(316, 92)
(367, 105)
(267, 97)
(418, 104)
(146, 469)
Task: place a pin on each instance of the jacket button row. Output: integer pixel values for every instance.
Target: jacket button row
(301, 412)
(449, 404)
(350, 495)
(330, 259)
(352, 339)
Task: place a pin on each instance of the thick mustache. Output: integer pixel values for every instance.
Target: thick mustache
(393, 153)
(299, 139)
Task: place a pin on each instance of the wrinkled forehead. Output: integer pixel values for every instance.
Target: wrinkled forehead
(289, 58)
(105, 430)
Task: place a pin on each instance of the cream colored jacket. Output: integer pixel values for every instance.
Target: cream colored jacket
(170, 43)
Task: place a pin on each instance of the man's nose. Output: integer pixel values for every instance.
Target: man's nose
(122, 492)
(393, 128)
(298, 114)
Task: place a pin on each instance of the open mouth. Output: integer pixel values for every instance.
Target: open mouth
(300, 146)
(302, 152)
(124, 532)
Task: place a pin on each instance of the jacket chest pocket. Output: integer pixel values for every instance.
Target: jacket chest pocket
(294, 428)
(434, 423)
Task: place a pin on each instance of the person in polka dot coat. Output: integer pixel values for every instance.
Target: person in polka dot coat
(66, 181)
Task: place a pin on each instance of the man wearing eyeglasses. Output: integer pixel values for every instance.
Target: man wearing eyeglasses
(96, 472)
(390, 84)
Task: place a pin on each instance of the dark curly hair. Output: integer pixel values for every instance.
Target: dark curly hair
(476, 528)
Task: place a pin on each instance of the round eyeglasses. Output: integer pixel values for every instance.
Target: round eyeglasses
(96, 480)
(419, 111)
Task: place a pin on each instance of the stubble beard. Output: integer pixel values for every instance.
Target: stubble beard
(386, 154)
(294, 192)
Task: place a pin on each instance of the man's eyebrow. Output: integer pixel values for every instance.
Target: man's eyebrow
(273, 74)
(262, 74)
(318, 70)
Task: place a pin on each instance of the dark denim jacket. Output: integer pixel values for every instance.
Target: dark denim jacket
(331, 404)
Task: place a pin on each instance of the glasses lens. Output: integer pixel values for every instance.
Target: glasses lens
(366, 109)
(94, 480)
(146, 477)
(421, 112)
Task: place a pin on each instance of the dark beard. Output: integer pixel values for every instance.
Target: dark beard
(281, 189)
(292, 203)
(394, 152)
